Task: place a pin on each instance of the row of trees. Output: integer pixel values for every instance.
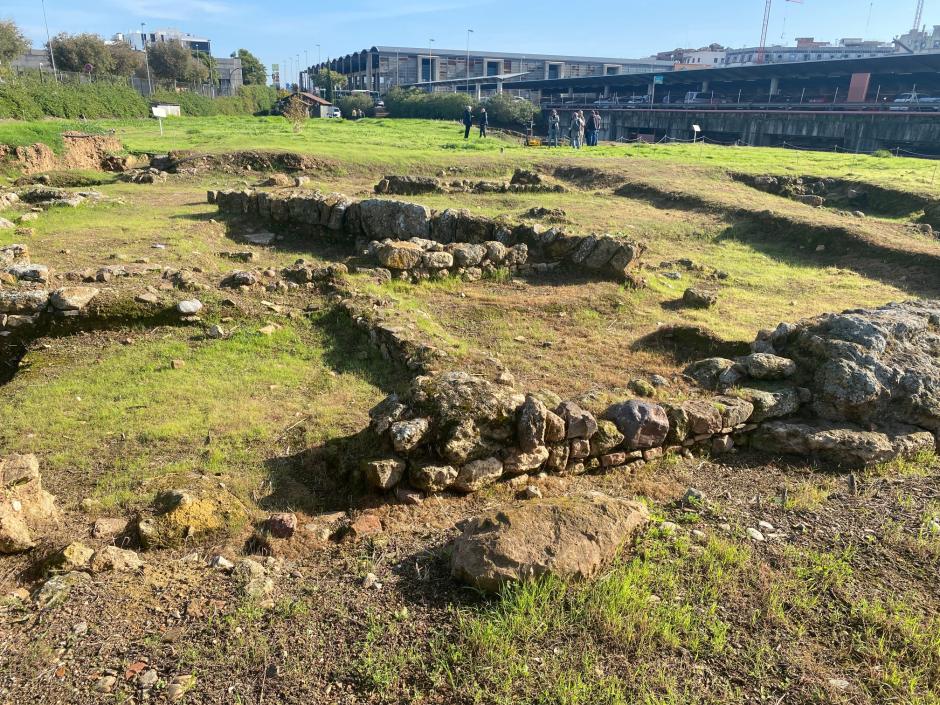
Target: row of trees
(90, 53)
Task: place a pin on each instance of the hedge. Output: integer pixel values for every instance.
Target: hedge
(501, 109)
(31, 99)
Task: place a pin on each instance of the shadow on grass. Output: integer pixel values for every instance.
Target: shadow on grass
(915, 272)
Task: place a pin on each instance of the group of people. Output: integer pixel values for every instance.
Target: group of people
(482, 121)
(582, 130)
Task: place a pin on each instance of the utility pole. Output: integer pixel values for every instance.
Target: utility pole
(45, 19)
(430, 64)
(469, 32)
(143, 43)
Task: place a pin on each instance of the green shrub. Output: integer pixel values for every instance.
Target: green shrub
(507, 111)
(358, 101)
(883, 153)
(31, 99)
(434, 106)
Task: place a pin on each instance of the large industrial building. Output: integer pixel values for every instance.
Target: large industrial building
(382, 68)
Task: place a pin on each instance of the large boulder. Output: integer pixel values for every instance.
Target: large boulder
(72, 298)
(869, 365)
(643, 424)
(767, 366)
(399, 255)
(771, 404)
(841, 443)
(381, 219)
(569, 537)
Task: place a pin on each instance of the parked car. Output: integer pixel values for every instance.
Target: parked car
(697, 98)
(380, 103)
(334, 112)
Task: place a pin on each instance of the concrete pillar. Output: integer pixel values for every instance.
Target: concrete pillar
(705, 87)
(499, 87)
(479, 90)
(774, 87)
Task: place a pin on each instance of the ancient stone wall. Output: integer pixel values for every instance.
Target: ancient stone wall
(376, 220)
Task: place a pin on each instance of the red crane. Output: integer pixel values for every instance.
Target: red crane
(763, 33)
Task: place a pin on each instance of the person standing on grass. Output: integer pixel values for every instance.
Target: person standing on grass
(576, 129)
(484, 121)
(467, 121)
(590, 131)
(554, 128)
(596, 122)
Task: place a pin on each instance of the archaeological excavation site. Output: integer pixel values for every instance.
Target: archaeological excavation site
(378, 416)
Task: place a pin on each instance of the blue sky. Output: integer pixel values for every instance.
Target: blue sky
(276, 30)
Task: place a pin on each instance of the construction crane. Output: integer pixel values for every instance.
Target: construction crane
(763, 34)
(918, 15)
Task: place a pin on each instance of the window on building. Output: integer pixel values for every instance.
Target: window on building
(427, 67)
(612, 70)
(492, 68)
(554, 70)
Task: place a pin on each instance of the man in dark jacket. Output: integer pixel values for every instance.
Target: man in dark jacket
(591, 128)
(484, 121)
(467, 121)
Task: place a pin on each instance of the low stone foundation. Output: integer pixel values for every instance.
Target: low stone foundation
(523, 181)
(377, 220)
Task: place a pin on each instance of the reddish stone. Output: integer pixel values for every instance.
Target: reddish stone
(281, 525)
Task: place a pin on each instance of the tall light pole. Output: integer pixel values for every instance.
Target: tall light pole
(45, 19)
(469, 32)
(430, 64)
(307, 62)
(143, 43)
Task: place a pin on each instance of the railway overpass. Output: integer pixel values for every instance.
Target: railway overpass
(844, 104)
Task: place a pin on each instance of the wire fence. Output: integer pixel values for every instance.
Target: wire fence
(142, 84)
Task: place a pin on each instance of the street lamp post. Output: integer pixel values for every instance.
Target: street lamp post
(430, 64)
(469, 32)
(45, 19)
(143, 43)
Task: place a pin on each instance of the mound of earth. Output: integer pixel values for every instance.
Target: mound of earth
(182, 162)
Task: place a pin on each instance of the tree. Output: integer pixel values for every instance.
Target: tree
(124, 60)
(13, 43)
(173, 61)
(328, 81)
(359, 101)
(209, 63)
(296, 112)
(73, 52)
(253, 73)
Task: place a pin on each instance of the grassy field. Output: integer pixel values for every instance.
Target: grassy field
(842, 608)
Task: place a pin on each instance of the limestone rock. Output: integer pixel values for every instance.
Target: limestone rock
(570, 537)
(196, 514)
(432, 478)
(478, 474)
(518, 461)
(532, 423)
(844, 444)
(767, 366)
(699, 298)
(117, 559)
(407, 435)
(72, 298)
(384, 474)
(774, 404)
(382, 219)
(708, 372)
(399, 255)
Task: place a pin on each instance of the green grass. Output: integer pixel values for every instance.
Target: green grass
(18, 133)
(116, 416)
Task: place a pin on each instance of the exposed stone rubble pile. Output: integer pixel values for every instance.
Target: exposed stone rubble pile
(522, 181)
(377, 220)
(24, 300)
(856, 388)
(455, 431)
(26, 509)
(418, 259)
(46, 197)
(150, 175)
